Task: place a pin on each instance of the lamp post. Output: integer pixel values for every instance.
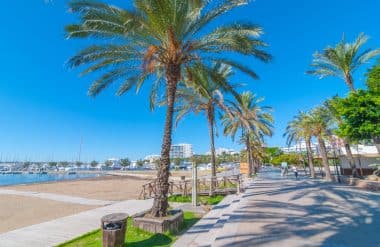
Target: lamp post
(336, 166)
(194, 202)
(334, 145)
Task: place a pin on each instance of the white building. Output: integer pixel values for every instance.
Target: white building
(299, 147)
(361, 149)
(182, 150)
(115, 163)
(220, 151)
(364, 156)
(152, 157)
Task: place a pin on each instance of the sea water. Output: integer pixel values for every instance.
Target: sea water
(12, 179)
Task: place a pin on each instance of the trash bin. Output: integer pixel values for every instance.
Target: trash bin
(113, 229)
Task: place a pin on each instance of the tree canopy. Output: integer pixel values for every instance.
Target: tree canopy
(373, 79)
(361, 114)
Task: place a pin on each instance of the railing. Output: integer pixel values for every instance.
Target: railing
(222, 185)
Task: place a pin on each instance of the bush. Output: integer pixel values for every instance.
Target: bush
(291, 159)
(207, 200)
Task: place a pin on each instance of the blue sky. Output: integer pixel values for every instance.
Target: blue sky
(45, 111)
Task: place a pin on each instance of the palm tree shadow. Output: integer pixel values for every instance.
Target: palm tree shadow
(343, 216)
(155, 240)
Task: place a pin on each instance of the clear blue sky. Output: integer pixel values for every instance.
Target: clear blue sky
(45, 111)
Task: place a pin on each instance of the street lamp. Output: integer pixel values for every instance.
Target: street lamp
(334, 145)
(194, 202)
(336, 166)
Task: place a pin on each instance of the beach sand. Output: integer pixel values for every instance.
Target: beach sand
(21, 211)
(113, 188)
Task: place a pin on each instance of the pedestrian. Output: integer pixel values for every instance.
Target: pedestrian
(295, 172)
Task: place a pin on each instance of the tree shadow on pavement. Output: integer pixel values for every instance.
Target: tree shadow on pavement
(305, 213)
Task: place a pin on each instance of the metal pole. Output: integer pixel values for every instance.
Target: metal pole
(194, 187)
(336, 166)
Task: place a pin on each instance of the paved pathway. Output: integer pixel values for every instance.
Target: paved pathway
(205, 231)
(63, 229)
(57, 197)
(286, 212)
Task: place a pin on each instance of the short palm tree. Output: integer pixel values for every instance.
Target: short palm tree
(204, 93)
(156, 41)
(342, 60)
(319, 121)
(256, 153)
(331, 107)
(253, 120)
(298, 129)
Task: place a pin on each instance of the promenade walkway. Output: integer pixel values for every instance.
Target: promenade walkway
(57, 197)
(282, 212)
(60, 230)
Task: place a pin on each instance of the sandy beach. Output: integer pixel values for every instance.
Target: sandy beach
(20, 211)
(114, 188)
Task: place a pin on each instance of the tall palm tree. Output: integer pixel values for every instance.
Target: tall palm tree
(156, 41)
(319, 122)
(253, 120)
(204, 93)
(298, 129)
(342, 60)
(330, 105)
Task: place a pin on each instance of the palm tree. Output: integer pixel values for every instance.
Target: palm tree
(156, 41)
(253, 120)
(204, 93)
(318, 122)
(330, 105)
(298, 129)
(342, 60)
(256, 152)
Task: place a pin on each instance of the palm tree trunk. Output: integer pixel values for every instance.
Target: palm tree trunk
(350, 158)
(255, 166)
(310, 157)
(249, 155)
(160, 204)
(210, 118)
(350, 82)
(325, 160)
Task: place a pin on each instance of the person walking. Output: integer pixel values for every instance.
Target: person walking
(295, 170)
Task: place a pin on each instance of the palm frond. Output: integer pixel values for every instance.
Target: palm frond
(236, 65)
(214, 13)
(342, 60)
(105, 80)
(144, 40)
